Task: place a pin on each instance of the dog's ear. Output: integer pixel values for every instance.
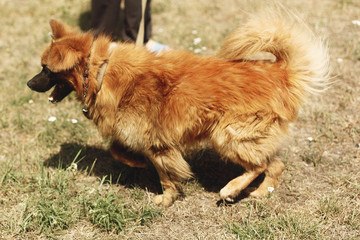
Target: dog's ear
(59, 29)
(66, 53)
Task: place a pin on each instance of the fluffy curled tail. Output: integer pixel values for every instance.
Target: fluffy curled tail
(284, 35)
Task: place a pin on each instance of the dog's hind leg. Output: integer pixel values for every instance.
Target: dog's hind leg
(235, 186)
(172, 168)
(251, 142)
(254, 157)
(272, 174)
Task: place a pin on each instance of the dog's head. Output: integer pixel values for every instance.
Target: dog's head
(63, 62)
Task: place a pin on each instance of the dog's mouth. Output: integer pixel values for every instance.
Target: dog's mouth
(60, 91)
(46, 79)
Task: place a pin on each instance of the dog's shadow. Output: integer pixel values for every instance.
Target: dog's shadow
(97, 161)
(208, 169)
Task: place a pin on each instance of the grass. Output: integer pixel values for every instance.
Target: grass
(275, 228)
(111, 214)
(262, 223)
(313, 154)
(55, 202)
(58, 180)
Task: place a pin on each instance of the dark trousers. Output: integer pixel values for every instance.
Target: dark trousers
(105, 19)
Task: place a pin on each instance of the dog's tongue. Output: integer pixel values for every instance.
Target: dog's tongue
(61, 90)
(52, 97)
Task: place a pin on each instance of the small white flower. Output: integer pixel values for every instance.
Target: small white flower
(270, 189)
(74, 121)
(356, 22)
(310, 139)
(52, 119)
(194, 32)
(339, 60)
(197, 41)
(31, 101)
(197, 50)
(73, 167)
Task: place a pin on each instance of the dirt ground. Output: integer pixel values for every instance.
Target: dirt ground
(318, 196)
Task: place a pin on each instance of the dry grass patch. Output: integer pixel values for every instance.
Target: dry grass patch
(49, 191)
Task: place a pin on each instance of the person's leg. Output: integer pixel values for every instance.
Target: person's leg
(104, 16)
(132, 18)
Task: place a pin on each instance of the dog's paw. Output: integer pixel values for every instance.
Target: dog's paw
(227, 195)
(163, 200)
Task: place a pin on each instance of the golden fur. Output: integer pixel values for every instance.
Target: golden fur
(160, 105)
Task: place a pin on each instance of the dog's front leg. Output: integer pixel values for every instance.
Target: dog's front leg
(172, 168)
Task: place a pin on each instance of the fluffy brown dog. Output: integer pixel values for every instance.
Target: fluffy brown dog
(160, 105)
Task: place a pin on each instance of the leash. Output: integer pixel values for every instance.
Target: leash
(101, 72)
(99, 76)
(140, 35)
(85, 109)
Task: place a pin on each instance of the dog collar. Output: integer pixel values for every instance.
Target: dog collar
(99, 77)
(85, 109)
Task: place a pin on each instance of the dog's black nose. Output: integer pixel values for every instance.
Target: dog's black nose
(29, 84)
